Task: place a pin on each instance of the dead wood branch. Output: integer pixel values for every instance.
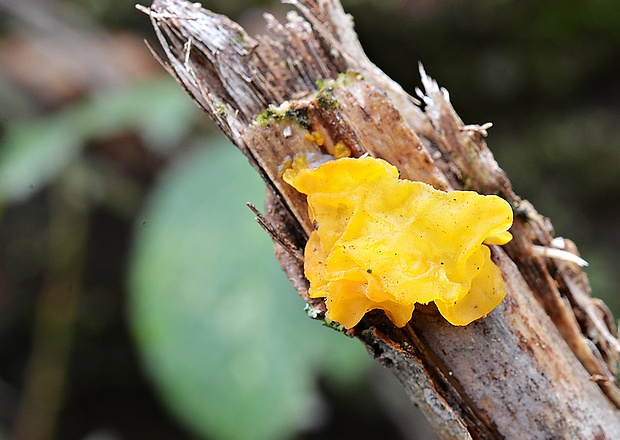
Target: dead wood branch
(544, 362)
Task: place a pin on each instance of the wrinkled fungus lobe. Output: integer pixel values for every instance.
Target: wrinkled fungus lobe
(385, 243)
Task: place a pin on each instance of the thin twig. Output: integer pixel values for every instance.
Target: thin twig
(275, 235)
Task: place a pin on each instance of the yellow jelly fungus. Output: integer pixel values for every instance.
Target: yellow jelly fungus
(316, 137)
(385, 243)
(341, 150)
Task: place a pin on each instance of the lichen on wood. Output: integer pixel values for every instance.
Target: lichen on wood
(545, 361)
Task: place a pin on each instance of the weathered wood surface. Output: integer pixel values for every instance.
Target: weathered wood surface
(543, 364)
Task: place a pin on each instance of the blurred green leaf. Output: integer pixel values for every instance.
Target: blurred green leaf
(34, 151)
(221, 330)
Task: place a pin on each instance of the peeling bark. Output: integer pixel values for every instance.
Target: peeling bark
(544, 362)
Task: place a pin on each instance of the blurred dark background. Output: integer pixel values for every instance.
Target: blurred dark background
(138, 299)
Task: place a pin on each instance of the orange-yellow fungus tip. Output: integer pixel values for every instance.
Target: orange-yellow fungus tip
(341, 150)
(386, 243)
(316, 137)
